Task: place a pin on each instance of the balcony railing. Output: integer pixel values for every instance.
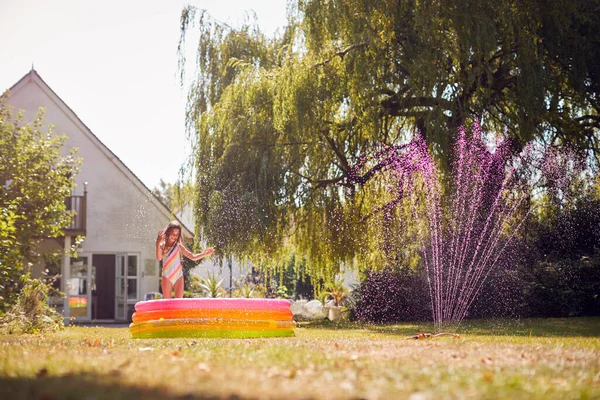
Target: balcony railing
(79, 204)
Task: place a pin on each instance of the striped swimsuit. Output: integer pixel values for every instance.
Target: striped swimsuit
(172, 264)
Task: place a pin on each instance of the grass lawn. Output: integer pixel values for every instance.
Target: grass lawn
(530, 359)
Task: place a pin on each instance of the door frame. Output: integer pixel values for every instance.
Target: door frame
(88, 278)
(120, 287)
(125, 277)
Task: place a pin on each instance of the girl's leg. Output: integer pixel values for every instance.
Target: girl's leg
(179, 288)
(167, 286)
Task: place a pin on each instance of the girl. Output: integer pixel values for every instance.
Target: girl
(169, 248)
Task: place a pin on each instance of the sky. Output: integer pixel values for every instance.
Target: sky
(114, 63)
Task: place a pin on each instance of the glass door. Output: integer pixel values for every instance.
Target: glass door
(121, 288)
(132, 281)
(78, 289)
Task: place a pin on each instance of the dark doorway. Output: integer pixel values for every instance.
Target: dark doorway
(103, 293)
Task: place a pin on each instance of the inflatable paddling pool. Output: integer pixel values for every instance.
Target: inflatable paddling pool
(235, 318)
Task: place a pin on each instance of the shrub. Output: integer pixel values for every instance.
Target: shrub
(389, 296)
(561, 275)
(565, 288)
(211, 286)
(31, 313)
(501, 295)
(244, 290)
(337, 292)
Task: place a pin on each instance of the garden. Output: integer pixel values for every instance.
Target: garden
(445, 155)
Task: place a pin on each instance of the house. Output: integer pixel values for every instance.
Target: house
(118, 215)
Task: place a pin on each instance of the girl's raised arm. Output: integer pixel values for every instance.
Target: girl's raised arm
(195, 257)
(160, 244)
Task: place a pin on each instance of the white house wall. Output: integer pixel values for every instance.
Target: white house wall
(211, 267)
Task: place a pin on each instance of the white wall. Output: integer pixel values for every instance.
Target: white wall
(211, 266)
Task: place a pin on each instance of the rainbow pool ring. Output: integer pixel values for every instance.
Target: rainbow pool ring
(236, 318)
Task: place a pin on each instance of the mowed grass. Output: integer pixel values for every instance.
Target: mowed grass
(530, 359)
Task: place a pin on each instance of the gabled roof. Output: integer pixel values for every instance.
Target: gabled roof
(33, 76)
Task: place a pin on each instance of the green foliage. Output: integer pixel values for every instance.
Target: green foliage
(188, 267)
(193, 285)
(291, 280)
(211, 286)
(31, 313)
(561, 288)
(336, 291)
(279, 124)
(175, 196)
(245, 290)
(561, 275)
(251, 285)
(35, 180)
(390, 295)
(555, 271)
(282, 292)
(322, 296)
(259, 291)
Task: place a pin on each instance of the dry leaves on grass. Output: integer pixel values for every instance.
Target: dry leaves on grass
(93, 343)
(99, 342)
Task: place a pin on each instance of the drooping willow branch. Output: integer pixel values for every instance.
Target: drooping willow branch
(340, 54)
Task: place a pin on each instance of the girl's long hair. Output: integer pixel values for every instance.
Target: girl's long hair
(173, 225)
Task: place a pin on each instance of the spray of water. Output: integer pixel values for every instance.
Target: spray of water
(470, 227)
(485, 212)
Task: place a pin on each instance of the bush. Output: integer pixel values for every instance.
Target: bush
(31, 313)
(35, 179)
(501, 296)
(561, 276)
(565, 288)
(211, 286)
(389, 296)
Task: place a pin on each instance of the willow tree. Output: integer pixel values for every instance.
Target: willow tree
(284, 127)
